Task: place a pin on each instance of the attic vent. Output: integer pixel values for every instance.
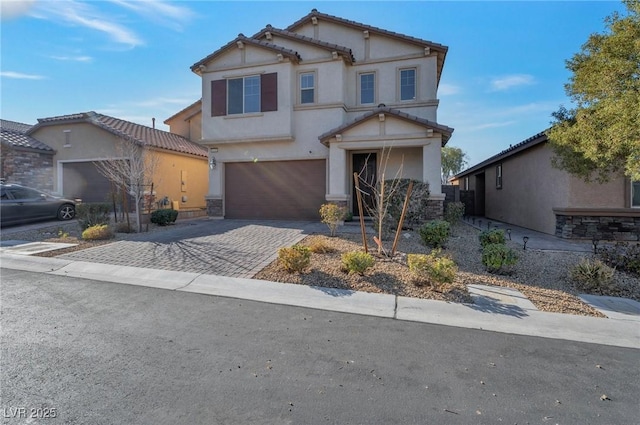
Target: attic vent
(268, 35)
(314, 20)
(365, 33)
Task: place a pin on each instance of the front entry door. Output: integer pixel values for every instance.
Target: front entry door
(365, 164)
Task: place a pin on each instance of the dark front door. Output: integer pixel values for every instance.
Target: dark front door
(365, 164)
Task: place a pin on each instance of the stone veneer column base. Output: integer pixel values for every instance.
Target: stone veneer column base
(435, 209)
(214, 207)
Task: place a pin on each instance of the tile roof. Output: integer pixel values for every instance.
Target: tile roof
(511, 150)
(344, 51)
(242, 38)
(13, 134)
(443, 129)
(141, 134)
(440, 49)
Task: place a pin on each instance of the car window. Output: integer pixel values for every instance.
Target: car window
(24, 193)
(4, 195)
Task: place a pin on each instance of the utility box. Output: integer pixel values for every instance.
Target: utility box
(175, 205)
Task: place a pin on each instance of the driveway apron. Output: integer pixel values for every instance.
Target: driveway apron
(233, 248)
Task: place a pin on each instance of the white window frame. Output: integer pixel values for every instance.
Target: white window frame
(314, 73)
(415, 83)
(375, 89)
(244, 95)
(499, 176)
(631, 204)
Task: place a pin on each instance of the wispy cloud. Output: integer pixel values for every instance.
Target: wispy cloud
(448, 89)
(509, 81)
(491, 125)
(21, 76)
(164, 13)
(72, 12)
(10, 9)
(73, 58)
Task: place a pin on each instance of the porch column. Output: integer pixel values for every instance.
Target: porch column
(431, 166)
(337, 170)
(213, 198)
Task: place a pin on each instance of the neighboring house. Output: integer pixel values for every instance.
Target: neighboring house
(290, 114)
(520, 186)
(81, 140)
(23, 159)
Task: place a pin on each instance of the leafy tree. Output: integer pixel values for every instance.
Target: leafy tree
(453, 161)
(601, 134)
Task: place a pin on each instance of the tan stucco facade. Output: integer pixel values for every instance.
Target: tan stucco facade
(84, 142)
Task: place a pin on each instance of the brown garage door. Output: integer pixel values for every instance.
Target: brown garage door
(82, 180)
(275, 190)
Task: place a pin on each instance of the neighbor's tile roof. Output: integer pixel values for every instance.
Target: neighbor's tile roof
(511, 150)
(443, 129)
(241, 37)
(344, 51)
(141, 134)
(13, 133)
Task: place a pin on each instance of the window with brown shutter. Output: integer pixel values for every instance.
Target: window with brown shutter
(218, 98)
(269, 92)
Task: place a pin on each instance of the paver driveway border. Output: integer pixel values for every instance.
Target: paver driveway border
(231, 248)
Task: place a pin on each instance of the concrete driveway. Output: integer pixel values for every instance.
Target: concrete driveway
(232, 248)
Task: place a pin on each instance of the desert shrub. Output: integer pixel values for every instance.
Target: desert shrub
(332, 215)
(164, 217)
(435, 233)
(433, 268)
(357, 262)
(454, 212)
(494, 236)
(97, 232)
(294, 259)
(124, 227)
(621, 256)
(592, 275)
(497, 258)
(319, 246)
(93, 214)
(417, 208)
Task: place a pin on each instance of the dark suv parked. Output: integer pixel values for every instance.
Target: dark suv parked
(20, 204)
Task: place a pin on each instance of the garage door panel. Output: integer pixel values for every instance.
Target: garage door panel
(83, 180)
(275, 190)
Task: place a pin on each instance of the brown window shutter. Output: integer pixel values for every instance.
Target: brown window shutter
(269, 92)
(218, 98)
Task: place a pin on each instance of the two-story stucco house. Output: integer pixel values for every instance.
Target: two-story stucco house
(289, 114)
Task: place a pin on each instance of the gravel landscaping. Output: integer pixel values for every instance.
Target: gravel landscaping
(540, 275)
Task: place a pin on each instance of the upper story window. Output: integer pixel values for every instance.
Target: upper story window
(408, 84)
(367, 88)
(499, 176)
(244, 95)
(635, 194)
(466, 183)
(308, 87)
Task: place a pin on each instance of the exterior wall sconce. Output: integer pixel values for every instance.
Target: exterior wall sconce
(213, 163)
(525, 239)
(509, 233)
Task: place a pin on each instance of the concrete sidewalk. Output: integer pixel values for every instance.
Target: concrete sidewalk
(490, 314)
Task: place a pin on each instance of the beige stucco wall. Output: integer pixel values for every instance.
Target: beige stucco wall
(90, 143)
(531, 188)
(595, 195)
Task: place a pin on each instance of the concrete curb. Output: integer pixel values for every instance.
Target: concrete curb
(506, 318)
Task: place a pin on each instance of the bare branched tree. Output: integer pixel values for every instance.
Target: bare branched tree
(132, 168)
(376, 192)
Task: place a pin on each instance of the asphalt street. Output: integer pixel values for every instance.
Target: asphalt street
(91, 352)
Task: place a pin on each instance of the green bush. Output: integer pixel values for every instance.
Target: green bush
(294, 259)
(454, 212)
(592, 275)
(164, 217)
(331, 215)
(497, 258)
(93, 214)
(97, 232)
(433, 268)
(435, 233)
(357, 262)
(494, 236)
(621, 256)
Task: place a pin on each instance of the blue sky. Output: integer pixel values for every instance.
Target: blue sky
(503, 77)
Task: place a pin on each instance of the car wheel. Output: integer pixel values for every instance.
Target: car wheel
(66, 212)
